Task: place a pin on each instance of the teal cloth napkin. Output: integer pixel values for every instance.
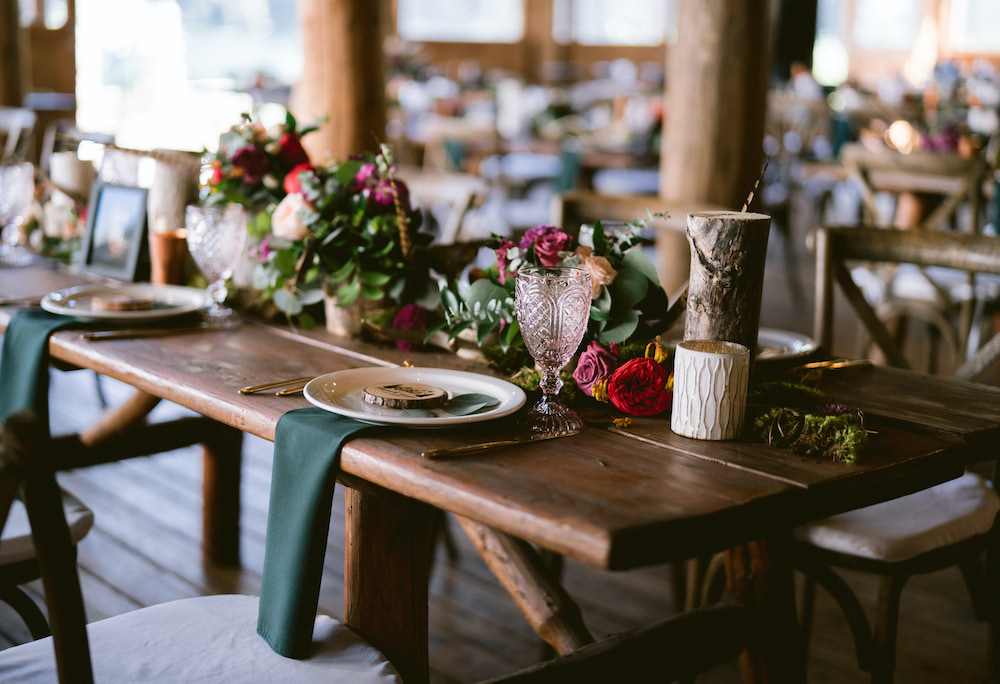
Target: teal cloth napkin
(307, 444)
(24, 364)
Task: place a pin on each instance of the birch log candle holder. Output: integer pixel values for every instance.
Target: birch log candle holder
(728, 251)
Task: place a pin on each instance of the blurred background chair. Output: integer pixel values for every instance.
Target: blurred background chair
(17, 130)
(951, 524)
(930, 190)
(446, 198)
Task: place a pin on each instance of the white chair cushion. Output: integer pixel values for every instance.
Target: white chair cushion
(204, 639)
(910, 525)
(15, 542)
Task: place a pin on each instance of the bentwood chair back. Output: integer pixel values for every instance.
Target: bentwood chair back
(214, 639)
(575, 208)
(17, 128)
(951, 524)
(931, 190)
(450, 195)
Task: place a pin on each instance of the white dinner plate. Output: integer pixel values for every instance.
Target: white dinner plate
(169, 300)
(341, 392)
(781, 345)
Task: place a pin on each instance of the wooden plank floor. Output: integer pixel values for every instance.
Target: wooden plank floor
(144, 549)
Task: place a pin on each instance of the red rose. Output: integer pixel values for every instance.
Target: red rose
(639, 388)
(410, 317)
(292, 182)
(291, 150)
(547, 241)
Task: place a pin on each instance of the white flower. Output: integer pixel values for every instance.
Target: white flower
(286, 221)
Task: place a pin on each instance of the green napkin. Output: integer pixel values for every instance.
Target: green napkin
(24, 365)
(307, 445)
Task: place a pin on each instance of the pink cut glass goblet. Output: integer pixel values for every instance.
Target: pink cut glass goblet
(216, 236)
(553, 309)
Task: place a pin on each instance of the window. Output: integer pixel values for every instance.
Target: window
(622, 22)
(886, 24)
(974, 26)
(474, 21)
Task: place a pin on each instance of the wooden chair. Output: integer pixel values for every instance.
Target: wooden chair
(951, 524)
(17, 128)
(940, 191)
(459, 193)
(572, 209)
(220, 631)
(19, 562)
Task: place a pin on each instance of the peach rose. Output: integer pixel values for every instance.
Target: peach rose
(601, 273)
(286, 222)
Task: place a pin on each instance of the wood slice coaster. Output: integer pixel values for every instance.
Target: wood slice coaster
(404, 395)
(120, 302)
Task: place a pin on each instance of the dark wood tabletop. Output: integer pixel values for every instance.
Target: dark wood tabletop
(611, 498)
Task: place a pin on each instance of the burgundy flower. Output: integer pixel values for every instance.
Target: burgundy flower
(595, 362)
(548, 241)
(253, 161)
(292, 152)
(410, 317)
(639, 388)
(503, 263)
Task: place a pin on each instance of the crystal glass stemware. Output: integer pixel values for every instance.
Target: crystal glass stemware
(216, 236)
(553, 309)
(17, 189)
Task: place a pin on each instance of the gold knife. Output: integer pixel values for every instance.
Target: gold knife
(140, 332)
(483, 446)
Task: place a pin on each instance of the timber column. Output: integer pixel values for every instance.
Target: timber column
(343, 77)
(717, 79)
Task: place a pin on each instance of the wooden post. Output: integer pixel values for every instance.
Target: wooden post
(385, 595)
(728, 251)
(343, 77)
(717, 77)
(13, 72)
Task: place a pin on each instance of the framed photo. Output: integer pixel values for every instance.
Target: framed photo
(114, 240)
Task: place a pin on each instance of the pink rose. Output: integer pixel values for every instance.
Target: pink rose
(286, 222)
(595, 362)
(547, 241)
(639, 388)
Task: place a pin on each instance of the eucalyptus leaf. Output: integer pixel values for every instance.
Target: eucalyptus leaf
(629, 288)
(620, 329)
(467, 404)
(313, 296)
(417, 413)
(638, 260)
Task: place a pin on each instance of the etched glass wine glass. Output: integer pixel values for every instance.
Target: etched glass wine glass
(17, 189)
(216, 236)
(553, 309)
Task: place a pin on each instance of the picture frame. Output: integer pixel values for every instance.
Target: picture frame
(114, 241)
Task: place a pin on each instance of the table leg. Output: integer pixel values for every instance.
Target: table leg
(386, 569)
(222, 457)
(760, 576)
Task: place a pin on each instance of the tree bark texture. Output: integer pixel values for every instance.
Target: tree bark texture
(728, 252)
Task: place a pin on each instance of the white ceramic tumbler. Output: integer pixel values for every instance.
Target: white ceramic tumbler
(710, 389)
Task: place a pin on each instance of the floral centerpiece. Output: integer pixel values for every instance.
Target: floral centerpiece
(251, 163)
(345, 229)
(629, 308)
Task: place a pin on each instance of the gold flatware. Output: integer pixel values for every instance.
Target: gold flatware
(253, 389)
(484, 446)
(291, 391)
(98, 335)
(832, 364)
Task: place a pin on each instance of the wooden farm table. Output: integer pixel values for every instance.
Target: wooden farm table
(612, 499)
